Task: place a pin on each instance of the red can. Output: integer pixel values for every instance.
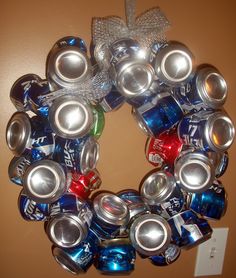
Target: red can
(163, 149)
(83, 185)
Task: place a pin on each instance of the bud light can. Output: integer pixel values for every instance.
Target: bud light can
(211, 203)
(150, 234)
(25, 134)
(68, 64)
(70, 218)
(207, 130)
(83, 185)
(46, 181)
(115, 256)
(220, 160)
(110, 213)
(78, 155)
(17, 168)
(112, 101)
(188, 230)
(169, 256)
(32, 211)
(167, 146)
(77, 260)
(158, 115)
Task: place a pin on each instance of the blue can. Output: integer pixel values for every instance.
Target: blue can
(188, 230)
(17, 168)
(207, 130)
(169, 256)
(78, 155)
(159, 114)
(115, 256)
(112, 101)
(71, 41)
(220, 160)
(78, 259)
(32, 211)
(211, 203)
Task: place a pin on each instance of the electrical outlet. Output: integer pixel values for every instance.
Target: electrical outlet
(210, 254)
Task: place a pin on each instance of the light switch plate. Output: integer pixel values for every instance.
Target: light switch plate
(210, 254)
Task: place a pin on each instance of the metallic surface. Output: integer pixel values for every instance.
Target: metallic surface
(112, 101)
(115, 256)
(150, 234)
(169, 256)
(17, 168)
(194, 171)
(45, 181)
(220, 160)
(174, 63)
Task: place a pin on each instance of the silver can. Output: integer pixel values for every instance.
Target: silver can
(71, 117)
(17, 168)
(194, 172)
(130, 69)
(150, 234)
(67, 67)
(174, 64)
(45, 181)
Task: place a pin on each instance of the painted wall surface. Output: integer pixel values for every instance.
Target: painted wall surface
(28, 30)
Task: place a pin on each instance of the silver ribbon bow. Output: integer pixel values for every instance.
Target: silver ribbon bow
(147, 28)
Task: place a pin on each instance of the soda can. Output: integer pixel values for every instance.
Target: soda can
(110, 213)
(150, 234)
(28, 135)
(32, 211)
(174, 64)
(17, 168)
(134, 201)
(78, 155)
(130, 69)
(112, 101)
(207, 90)
(211, 203)
(69, 222)
(169, 256)
(158, 115)
(220, 160)
(68, 64)
(167, 146)
(207, 130)
(24, 86)
(46, 181)
(188, 230)
(99, 122)
(160, 191)
(83, 185)
(77, 260)
(115, 256)
(194, 171)
(71, 117)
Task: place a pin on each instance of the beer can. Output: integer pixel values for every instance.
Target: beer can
(169, 256)
(115, 256)
(174, 63)
(25, 134)
(112, 101)
(69, 222)
(188, 230)
(46, 181)
(150, 234)
(71, 116)
(68, 64)
(77, 260)
(83, 185)
(130, 68)
(211, 203)
(30, 210)
(160, 191)
(167, 146)
(207, 90)
(220, 160)
(99, 122)
(194, 172)
(110, 213)
(17, 168)
(78, 155)
(207, 130)
(158, 115)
